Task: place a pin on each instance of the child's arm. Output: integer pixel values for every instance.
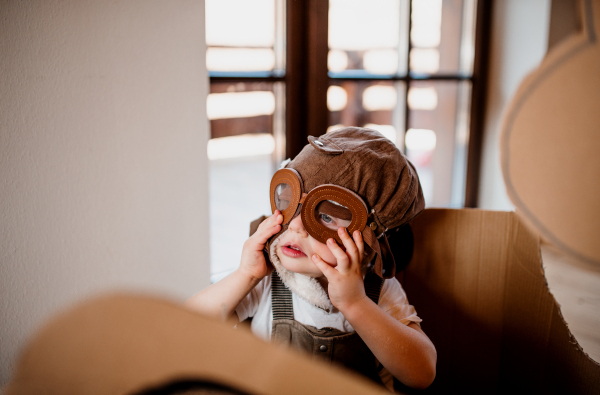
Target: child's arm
(404, 350)
(221, 299)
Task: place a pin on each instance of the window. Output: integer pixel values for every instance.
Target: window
(281, 70)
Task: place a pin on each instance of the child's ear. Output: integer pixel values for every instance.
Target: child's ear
(401, 243)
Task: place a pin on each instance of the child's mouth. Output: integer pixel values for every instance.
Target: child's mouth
(293, 251)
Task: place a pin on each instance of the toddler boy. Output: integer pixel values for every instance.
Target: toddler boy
(333, 292)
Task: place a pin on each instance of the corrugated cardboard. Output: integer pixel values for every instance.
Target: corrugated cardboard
(477, 281)
(125, 344)
(551, 143)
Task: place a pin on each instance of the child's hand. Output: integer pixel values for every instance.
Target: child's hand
(253, 261)
(346, 285)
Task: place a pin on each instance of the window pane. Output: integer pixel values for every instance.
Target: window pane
(240, 59)
(240, 108)
(442, 36)
(369, 35)
(245, 35)
(437, 139)
(239, 194)
(240, 23)
(245, 147)
(376, 105)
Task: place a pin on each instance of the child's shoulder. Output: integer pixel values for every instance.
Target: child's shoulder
(392, 284)
(393, 300)
(392, 292)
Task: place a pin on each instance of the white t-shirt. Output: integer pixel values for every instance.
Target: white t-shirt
(257, 304)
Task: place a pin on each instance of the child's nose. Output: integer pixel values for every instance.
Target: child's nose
(297, 226)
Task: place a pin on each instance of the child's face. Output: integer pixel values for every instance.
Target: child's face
(296, 248)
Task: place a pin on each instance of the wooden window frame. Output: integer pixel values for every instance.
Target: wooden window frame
(306, 81)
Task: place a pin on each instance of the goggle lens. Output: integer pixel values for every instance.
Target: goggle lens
(283, 196)
(333, 215)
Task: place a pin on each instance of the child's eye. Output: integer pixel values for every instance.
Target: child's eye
(326, 218)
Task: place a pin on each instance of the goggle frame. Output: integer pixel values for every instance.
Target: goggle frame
(309, 201)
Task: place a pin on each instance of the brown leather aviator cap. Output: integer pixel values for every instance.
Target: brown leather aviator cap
(369, 165)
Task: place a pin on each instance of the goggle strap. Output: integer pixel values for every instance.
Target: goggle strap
(371, 240)
(302, 198)
(389, 263)
(385, 265)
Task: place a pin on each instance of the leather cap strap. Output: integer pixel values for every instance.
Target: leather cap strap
(389, 263)
(385, 265)
(371, 240)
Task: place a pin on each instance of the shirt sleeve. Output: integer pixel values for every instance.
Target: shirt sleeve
(249, 305)
(393, 301)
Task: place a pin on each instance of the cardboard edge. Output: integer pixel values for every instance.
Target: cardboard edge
(444, 315)
(562, 352)
(168, 347)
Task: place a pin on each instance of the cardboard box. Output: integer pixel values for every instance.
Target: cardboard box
(477, 281)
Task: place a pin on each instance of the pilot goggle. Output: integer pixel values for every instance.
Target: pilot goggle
(323, 210)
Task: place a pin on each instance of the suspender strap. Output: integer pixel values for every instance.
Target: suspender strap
(373, 285)
(281, 299)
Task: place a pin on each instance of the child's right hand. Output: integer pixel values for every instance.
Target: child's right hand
(253, 261)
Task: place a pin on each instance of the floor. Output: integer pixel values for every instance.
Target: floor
(576, 288)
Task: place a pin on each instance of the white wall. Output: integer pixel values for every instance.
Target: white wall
(103, 168)
(518, 44)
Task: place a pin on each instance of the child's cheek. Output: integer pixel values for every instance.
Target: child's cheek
(324, 252)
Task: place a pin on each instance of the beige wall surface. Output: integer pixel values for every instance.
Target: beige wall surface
(103, 168)
(519, 38)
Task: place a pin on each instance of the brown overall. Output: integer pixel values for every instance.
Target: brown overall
(328, 344)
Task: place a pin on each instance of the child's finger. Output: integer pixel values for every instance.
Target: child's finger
(341, 257)
(268, 228)
(351, 247)
(360, 244)
(325, 267)
(264, 234)
(275, 218)
(268, 232)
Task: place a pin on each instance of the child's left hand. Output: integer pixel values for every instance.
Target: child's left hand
(346, 285)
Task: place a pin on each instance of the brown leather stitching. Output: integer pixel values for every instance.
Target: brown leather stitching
(337, 194)
(291, 178)
(309, 202)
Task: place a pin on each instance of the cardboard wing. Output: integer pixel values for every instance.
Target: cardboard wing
(551, 142)
(126, 344)
(476, 279)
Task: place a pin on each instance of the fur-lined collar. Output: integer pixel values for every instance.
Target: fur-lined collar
(306, 287)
